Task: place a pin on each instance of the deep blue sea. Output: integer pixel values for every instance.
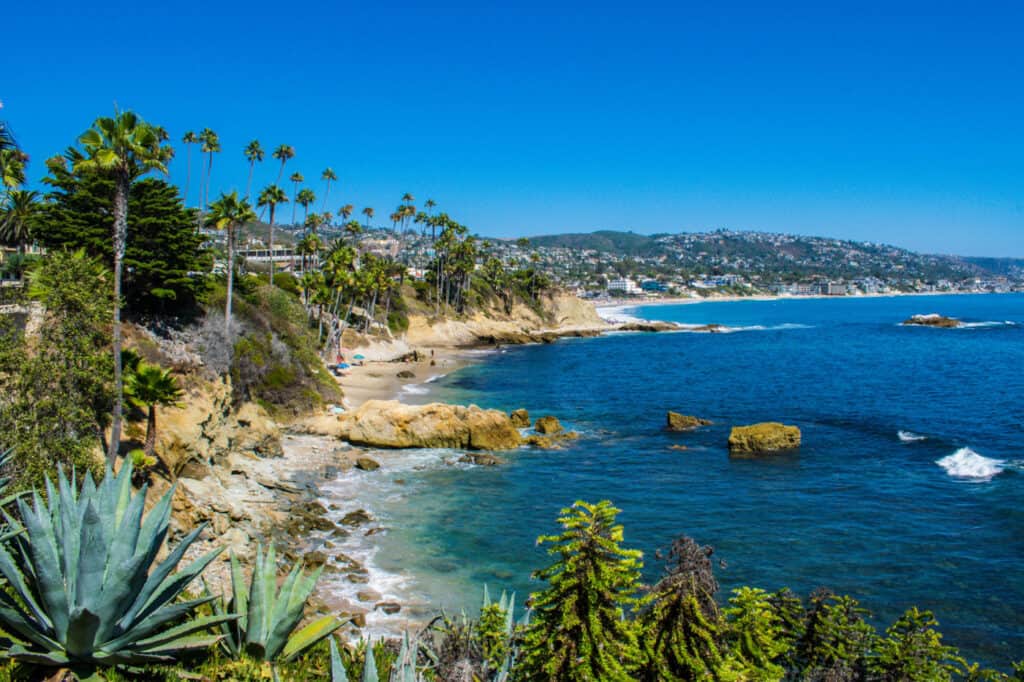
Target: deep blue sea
(861, 507)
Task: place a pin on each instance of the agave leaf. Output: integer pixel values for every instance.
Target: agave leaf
(258, 600)
(16, 580)
(152, 623)
(44, 561)
(285, 615)
(370, 665)
(510, 614)
(13, 619)
(159, 641)
(92, 561)
(309, 635)
(82, 627)
(161, 587)
(50, 658)
(337, 668)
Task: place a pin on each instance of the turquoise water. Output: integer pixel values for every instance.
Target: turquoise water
(861, 508)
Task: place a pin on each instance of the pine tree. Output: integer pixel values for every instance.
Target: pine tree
(682, 626)
(756, 637)
(164, 254)
(579, 630)
(912, 651)
(836, 639)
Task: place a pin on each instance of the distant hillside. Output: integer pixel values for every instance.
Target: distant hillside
(627, 244)
(1007, 267)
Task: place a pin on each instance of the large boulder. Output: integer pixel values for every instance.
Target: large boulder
(390, 424)
(763, 437)
(684, 422)
(548, 425)
(932, 320)
(520, 418)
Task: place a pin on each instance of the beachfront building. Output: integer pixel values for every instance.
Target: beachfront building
(623, 286)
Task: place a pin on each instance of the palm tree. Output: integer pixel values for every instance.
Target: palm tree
(124, 147)
(12, 168)
(408, 198)
(282, 154)
(147, 387)
(254, 153)
(211, 146)
(328, 176)
(345, 212)
(368, 212)
(16, 219)
(271, 196)
(229, 213)
(429, 204)
(188, 139)
(353, 229)
(295, 178)
(306, 198)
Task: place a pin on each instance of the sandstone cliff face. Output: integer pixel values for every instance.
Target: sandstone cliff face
(563, 314)
(390, 424)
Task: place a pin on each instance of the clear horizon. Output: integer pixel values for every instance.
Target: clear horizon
(899, 125)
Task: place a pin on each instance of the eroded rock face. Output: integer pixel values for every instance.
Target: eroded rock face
(763, 437)
(520, 418)
(548, 425)
(933, 320)
(648, 327)
(684, 422)
(390, 424)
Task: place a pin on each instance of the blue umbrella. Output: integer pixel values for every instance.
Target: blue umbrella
(357, 356)
(343, 365)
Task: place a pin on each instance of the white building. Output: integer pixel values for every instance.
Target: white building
(623, 286)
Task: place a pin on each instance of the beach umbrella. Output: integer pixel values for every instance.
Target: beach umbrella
(343, 365)
(359, 356)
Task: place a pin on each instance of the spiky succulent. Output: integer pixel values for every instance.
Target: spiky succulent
(84, 591)
(265, 628)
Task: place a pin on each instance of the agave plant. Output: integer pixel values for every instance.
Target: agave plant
(403, 669)
(267, 617)
(83, 589)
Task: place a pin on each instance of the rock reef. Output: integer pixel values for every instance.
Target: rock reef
(684, 422)
(390, 424)
(932, 320)
(763, 437)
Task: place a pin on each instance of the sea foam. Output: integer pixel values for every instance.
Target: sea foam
(968, 464)
(910, 436)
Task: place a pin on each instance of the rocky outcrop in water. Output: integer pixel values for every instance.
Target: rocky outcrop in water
(648, 327)
(932, 320)
(520, 418)
(390, 424)
(763, 437)
(684, 422)
(548, 425)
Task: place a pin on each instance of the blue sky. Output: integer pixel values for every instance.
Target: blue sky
(895, 122)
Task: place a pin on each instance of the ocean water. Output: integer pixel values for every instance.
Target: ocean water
(908, 489)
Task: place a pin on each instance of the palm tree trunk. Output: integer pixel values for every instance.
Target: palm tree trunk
(272, 207)
(150, 445)
(248, 185)
(231, 282)
(209, 174)
(122, 186)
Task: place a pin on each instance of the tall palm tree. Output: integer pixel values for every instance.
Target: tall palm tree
(147, 387)
(345, 212)
(188, 139)
(254, 153)
(16, 219)
(429, 204)
(306, 198)
(353, 229)
(282, 154)
(328, 176)
(229, 213)
(124, 147)
(271, 196)
(408, 198)
(368, 212)
(211, 146)
(296, 178)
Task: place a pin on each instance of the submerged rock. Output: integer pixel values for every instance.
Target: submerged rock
(481, 459)
(684, 422)
(648, 327)
(932, 320)
(390, 424)
(367, 464)
(763, 437)
(548, 425)
(406, 374)
(520, 418)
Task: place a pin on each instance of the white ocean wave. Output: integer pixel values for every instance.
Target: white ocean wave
(989, 323)
(763, 328)
(910, 436)
(968, 464)
(619, 314)
(415, 389)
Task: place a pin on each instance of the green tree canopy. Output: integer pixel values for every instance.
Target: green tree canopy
(164, 259)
